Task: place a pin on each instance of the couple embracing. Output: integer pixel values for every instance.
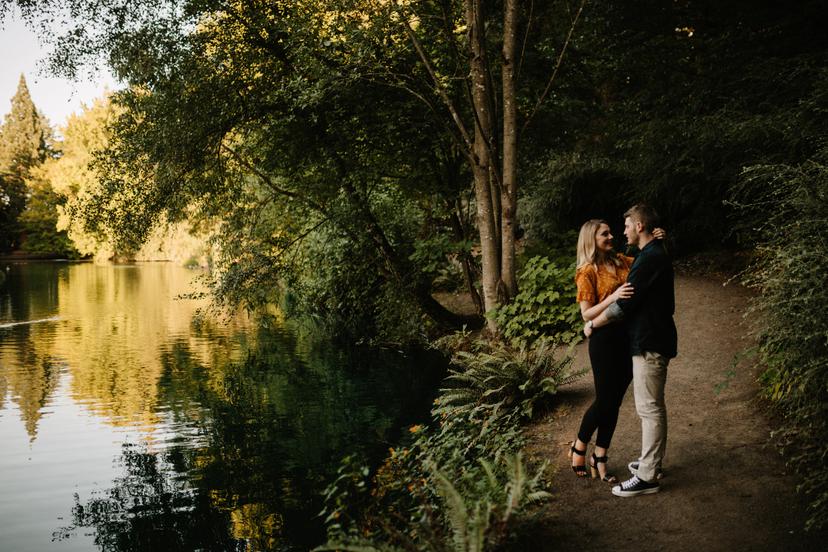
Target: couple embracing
(628, 307)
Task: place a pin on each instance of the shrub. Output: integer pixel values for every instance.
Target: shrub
(336, 283)
(565, 189)
(786, 208)
(545, 305)
(435, 256)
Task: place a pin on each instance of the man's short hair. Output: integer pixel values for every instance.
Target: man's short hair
(646, 215)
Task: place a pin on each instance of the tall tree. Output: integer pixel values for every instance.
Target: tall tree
(24, 139)
(62, 181)
(488, 118)
(24, 135)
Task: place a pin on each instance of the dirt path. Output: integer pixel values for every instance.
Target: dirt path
(726, 487)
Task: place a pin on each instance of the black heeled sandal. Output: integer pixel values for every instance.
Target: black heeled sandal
(593, 468)
(580, 471)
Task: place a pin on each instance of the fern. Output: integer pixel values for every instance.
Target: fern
(515, 377)
(471, 518)
(457, 514)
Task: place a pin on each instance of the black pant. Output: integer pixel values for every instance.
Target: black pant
(612, 371)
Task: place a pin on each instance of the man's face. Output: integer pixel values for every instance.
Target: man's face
(631, 231)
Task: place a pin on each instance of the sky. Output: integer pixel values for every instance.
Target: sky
(20, 52)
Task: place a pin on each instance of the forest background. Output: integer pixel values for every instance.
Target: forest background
(348, 160)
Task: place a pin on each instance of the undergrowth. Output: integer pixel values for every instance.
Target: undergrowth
(461, 483)
(786, 208)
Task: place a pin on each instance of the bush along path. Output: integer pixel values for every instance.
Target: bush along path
(726, 485)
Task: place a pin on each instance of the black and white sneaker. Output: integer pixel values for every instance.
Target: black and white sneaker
(633, 467)
(634, 487)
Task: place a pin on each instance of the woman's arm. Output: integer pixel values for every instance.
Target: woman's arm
(590, 311)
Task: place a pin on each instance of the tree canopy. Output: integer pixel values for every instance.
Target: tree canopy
(352, 130)
(365, 121)
(25, 143)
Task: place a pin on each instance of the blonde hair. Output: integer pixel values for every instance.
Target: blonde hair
(643, 213)
(586, 250)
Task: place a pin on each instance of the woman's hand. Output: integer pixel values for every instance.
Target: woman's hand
(624, 291)
(659, 233)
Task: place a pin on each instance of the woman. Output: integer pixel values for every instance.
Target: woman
(601, 280)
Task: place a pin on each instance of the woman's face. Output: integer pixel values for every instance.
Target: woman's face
(603, 239)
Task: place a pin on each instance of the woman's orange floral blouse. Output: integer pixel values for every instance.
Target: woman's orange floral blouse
(595, 285)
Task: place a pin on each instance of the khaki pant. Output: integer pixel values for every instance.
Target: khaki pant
(649, 379)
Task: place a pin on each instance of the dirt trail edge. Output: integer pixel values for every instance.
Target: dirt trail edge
(726, 486)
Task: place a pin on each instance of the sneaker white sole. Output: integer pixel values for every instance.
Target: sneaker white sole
(626, 494)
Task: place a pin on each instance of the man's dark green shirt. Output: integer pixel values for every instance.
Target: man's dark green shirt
(649, 312)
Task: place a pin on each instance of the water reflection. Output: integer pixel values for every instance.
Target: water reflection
(221, 436)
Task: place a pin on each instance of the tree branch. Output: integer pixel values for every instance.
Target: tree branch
(433, 74)
(263, 176)
(440, 120)
(525, 40)
(557, 67)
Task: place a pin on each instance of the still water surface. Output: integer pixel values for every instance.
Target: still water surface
(130, 422)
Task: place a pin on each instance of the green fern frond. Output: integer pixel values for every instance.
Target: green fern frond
(538, 496)
(457, 514)
(490, 475)
(479, 527)
(516, 484)
(496, 390)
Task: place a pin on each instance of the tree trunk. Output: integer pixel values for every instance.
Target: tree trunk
(494, 183)
(510, 149)
(466, 259)
(486, 217)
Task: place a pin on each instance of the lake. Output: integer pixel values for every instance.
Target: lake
(130, 419)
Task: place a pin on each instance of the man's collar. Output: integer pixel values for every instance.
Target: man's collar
(649, 244)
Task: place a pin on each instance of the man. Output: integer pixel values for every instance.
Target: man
(649, 317)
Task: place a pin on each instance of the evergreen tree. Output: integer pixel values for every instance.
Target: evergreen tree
(23, 145)
(27, 205)
(24, 134)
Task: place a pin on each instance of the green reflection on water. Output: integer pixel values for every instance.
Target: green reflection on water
(232, 430)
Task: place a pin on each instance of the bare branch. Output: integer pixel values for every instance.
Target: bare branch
(432, 109)
(438, 86)
(557, 67)
(525, 39)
